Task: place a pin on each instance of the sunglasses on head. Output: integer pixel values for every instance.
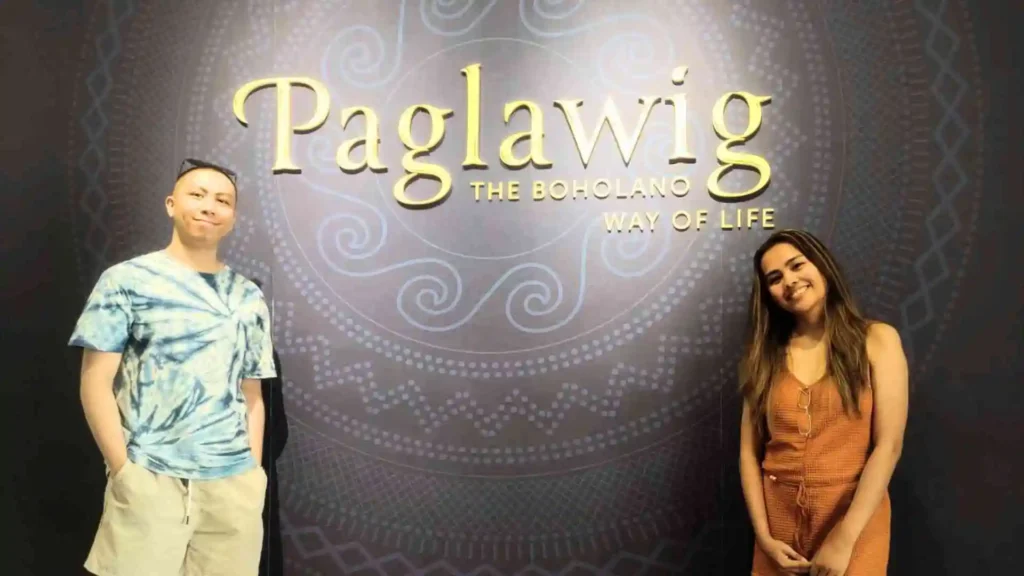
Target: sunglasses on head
(190, 164)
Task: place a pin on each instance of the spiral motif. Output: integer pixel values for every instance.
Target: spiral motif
(348, 234)
(433, 296)
(320, 154)
(335, 437)
(631, 55)
(358, 56)
(536, 297)
(449, 12)
(541, 8)
(345, 237)
(539, 299)
(618, 250)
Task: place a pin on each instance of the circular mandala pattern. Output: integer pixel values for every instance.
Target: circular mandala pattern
(457, 391)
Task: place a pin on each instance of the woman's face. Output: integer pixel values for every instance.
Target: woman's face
(793, 281)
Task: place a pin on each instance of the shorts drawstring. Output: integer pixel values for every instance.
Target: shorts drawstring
(188, 499)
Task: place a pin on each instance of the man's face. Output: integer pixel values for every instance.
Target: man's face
(202, 207)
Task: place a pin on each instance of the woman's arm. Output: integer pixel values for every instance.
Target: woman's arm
(890, 391)
(750, 476)
(753, 492)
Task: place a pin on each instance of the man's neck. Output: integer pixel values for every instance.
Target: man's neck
(201, 259)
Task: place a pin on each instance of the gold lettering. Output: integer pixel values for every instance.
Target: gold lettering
(472, 160)
(609, 115)
(538, 190)
(551, 190)
(493, 191)
(535, 134)
(730, 152)
(730, 159)
(496, 190)
(371, 142)
(618, 189)
(752, 216)
(680, 180)
(680, 151)
(579, 190)
(415, 169)
(725, 224)
(614, 222)
(283, 156)
(657, 187)
(681, 220)
(702, 218)
(747, 218)
(638, 188)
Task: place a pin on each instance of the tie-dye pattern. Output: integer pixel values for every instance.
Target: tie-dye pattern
(185, 350)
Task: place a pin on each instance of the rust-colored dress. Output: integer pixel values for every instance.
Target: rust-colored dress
(813, 460)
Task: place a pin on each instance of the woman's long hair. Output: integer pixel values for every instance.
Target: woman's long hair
(770, 327)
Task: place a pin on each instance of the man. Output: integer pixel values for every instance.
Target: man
(175, 347)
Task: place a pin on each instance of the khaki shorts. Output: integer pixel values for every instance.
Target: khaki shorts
(155, 525)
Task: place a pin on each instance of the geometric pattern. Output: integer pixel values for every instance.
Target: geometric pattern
(597, 509)
(879, 193)
(368, 486)
(354, 558)
(932, 269)
(93, 201)
(380, 397)
(515, 408)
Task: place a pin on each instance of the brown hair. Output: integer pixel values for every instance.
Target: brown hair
(770, 327)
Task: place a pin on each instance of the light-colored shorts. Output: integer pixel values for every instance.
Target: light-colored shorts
(154, 525)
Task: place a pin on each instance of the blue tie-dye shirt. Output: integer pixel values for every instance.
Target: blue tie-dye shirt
(186, 342)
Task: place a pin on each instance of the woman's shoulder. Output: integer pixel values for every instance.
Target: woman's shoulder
(881, 337)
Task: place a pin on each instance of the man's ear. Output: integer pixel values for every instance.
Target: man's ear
(169, 205)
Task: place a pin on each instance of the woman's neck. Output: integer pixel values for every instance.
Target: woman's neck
(810, 326)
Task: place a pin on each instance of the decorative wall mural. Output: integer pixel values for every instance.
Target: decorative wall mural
(491, 385)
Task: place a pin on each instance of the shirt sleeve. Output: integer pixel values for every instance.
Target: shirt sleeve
(105, 322)
(259, 350)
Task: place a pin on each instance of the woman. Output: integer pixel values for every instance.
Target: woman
(825, 407)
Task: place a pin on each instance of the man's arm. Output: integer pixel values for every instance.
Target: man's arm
(252, 389)
(97, 393)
